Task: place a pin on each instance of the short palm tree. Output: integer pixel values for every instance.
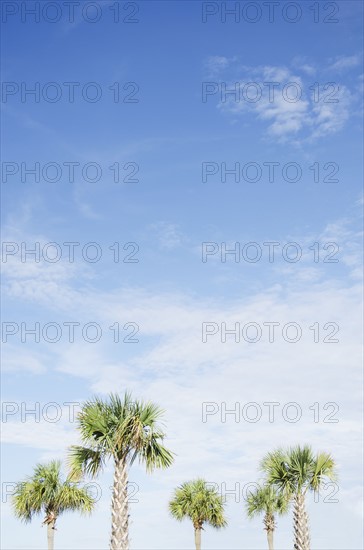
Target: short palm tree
(200, 503)
(294, 472)
(123, 430)
(268, 501)
(48, 493)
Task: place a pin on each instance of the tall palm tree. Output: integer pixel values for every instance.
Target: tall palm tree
(200, 503)
(295, 472)
(123, 430)
(268, 501)
(48, 493)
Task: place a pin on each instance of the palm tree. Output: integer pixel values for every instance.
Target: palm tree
(268, 501)
(123, 430)
(48, 493)
(200, 503)
(294, 472)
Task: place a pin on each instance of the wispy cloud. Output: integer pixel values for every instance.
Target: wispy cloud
(172, 366)
(344, 62)
(217, 63)
(292, 107)
(169, 235)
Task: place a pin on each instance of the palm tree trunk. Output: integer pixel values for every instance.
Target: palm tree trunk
(120, 513)
(269, 526)
(198, 538)
(300, 518)
(50, 534)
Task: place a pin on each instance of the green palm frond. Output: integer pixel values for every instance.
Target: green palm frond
(120, 428)
(323, 468)
(27, 501)
(93, 423)
(297, 470)
(72, 497)
(275, 465)
(154, 454)
(266, 499)
(47, 492)
(199, 502)
(139, 420)
(84, 461)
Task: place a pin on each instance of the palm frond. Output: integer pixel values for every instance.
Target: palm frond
(154, 454)
(122, 428)
(297, 470)
(84, 461)
(266, 499)
(323, 468)
(200, 502)
(47, 492)
(74, 498)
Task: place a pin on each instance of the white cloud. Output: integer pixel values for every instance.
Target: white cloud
(168, 234)
(343, 62)
(329, 118)
(215, 64)
(308, 69)
(15, 359)
(291, 105)
(88, 212)
(302, 63)
(172, 366)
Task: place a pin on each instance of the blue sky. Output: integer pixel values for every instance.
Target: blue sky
(166, 138)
